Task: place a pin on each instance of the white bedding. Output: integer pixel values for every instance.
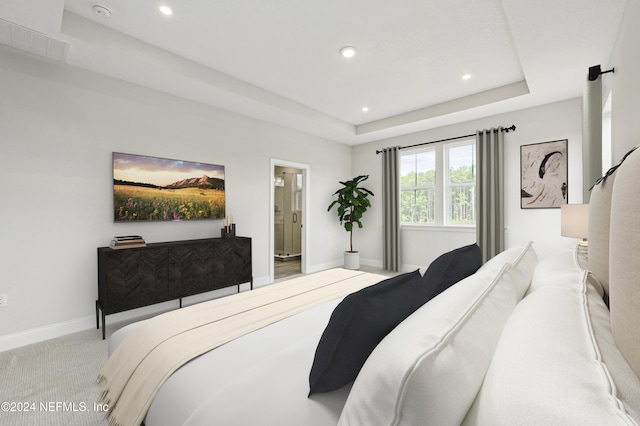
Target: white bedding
(262, 378)
(136, 371)
(275, 361)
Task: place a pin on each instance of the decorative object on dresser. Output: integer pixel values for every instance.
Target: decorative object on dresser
(159, 272)
(127, 242)
(229, 230)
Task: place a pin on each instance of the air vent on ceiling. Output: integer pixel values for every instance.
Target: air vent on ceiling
(31, 41)
(101, 10)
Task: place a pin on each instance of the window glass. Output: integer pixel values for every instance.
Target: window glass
(424, 193)
(417, 187)
(461, 184)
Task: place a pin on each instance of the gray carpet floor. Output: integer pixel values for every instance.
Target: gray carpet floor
(53, 382)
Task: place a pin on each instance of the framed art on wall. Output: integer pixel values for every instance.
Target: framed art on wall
(543, 174)
(160, 189)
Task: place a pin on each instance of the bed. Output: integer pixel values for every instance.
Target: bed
(516, 340)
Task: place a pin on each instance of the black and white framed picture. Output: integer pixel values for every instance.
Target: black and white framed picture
(543, 174)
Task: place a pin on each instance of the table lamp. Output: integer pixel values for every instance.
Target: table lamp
(574, 222)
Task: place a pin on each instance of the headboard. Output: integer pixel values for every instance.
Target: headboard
(614, 251)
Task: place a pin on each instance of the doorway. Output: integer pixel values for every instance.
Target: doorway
(288, 215)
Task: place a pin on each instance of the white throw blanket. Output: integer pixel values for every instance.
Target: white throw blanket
(152, 352)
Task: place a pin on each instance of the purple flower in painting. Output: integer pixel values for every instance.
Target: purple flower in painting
(130, 202)
(175, 216)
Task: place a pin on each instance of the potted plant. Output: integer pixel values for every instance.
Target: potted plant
(352, 201)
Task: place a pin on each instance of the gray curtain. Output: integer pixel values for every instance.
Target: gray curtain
(591, 135)
(391, 208)
(490, 191)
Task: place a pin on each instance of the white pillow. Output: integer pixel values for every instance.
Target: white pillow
(547, 367)
(522, 269)
(523, 260)
(430, 367)
(557, 269)
(507, 256)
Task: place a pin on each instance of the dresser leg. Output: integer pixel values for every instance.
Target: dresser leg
(104, 320)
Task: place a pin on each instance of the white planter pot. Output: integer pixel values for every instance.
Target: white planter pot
(351, 260)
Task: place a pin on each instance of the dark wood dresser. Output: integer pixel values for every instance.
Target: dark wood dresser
(136, 277)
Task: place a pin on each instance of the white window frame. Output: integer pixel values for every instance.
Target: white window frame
(442, 187)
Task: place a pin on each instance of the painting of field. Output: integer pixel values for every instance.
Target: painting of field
(140, 203)
(156, 189)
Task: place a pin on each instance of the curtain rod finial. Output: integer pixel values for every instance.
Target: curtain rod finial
(596, 71)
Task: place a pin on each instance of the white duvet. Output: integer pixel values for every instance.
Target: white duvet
(259, 379)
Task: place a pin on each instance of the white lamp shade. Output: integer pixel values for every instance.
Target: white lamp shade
(574, 220)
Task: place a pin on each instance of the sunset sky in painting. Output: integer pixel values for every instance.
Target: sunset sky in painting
(160, 171)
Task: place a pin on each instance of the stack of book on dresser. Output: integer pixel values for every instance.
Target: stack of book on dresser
(125, 242)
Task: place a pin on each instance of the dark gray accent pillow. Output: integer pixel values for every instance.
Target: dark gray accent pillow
(452, 267)
(358, 324)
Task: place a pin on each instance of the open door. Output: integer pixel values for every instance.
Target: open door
(289, 195)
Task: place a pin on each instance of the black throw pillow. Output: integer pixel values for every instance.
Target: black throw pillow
(452, 267)
(358, 324)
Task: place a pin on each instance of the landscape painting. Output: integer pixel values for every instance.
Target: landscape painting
(543, 171)
(159, 189)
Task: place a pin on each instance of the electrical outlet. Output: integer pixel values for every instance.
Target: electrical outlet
(3, 299)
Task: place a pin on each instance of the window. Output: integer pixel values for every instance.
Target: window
(418, 187)
(461, 184)
(437, 185)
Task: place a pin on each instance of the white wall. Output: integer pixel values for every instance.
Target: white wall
(624, 84)
(542, 124)
(58, 128)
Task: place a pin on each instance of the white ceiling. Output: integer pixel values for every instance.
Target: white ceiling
(278, 60)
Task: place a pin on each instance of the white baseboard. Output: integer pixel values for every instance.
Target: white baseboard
(312, 269)
(371, 262)
(40, 334)
(367, 262)
(258, 282)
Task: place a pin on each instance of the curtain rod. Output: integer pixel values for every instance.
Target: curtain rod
(511, 128)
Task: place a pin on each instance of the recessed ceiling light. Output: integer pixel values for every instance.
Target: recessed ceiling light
(166, 10)
(466, 76)
(365, 109)
(348, 51)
